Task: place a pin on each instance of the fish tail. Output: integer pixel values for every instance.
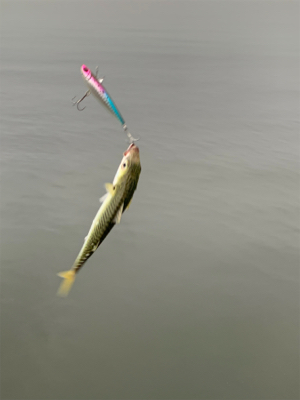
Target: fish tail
(69, 278)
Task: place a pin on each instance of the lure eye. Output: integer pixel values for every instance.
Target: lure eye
(124, 165)
(85, 69)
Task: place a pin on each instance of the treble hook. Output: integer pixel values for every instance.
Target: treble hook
(79, 101)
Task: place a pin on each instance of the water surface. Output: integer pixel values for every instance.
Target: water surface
(195, 295)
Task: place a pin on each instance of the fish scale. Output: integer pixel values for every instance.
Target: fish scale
(97, 233)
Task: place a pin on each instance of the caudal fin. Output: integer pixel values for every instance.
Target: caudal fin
(69, 278)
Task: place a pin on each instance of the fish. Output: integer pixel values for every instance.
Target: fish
(98, 90)
(116, 200)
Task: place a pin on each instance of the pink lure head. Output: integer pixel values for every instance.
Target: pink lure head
(86, 72)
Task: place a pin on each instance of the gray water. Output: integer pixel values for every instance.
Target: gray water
(195, 295)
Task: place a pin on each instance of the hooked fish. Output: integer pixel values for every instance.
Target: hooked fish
(114, 203)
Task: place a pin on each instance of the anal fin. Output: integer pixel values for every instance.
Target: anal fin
(128, 204)
(118, 216)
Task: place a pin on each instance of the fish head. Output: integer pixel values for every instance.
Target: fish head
(130, 164)
(86, 72)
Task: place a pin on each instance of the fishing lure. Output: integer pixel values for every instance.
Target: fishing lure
(98, 90)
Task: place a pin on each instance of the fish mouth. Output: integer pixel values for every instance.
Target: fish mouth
(131, 149)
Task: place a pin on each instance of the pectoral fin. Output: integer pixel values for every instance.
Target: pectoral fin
(110, 188)
(103, 198)
(119, 215)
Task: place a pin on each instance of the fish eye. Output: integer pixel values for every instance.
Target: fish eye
(124, 164)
